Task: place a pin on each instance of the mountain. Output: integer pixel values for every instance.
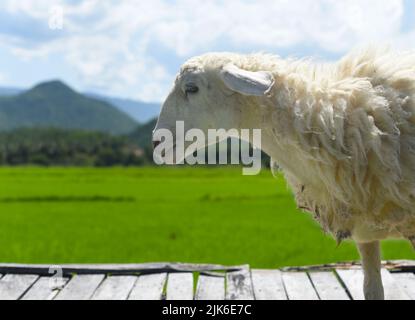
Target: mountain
(140, 111)
(54, 104)
(5, 91)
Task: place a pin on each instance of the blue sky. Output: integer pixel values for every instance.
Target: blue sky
(133, 48)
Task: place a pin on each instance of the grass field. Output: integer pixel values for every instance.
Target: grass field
(160, 214)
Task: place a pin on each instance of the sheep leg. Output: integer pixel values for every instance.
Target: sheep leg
(370, 253)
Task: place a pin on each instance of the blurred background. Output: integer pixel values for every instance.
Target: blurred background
(81, 83)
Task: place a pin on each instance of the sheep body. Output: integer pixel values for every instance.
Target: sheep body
(344, 135)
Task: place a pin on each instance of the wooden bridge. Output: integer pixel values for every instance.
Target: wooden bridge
(201, 282)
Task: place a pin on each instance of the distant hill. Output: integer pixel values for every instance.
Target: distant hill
(54, 104)
(4, 91)
(142, 136)
(140, 111)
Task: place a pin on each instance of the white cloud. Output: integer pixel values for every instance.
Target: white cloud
(109, 43)
(329, 24)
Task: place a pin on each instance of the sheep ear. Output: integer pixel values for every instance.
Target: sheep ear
(247, 83)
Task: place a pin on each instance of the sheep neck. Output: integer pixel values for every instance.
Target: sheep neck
(293, 105)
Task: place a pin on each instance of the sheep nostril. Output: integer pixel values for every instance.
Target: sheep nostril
(155, 144)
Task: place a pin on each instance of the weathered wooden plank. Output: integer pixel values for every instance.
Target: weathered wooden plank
(126, 269)
(115, 288)
(45, 288)
(407, 282)
(400, 265)
(13, 286)
(162, 267)
(80, 287)
(353, 281)
(149, 287)
(268, 285)
(392, 289)
(298, 286)
(239, 285)
(180, 286)
(210, 288)
(328, 286)
(394, 265)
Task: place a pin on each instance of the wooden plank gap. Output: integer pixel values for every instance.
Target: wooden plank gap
(328, 286)
(268, 285)
(298, 286)
(115, 288)
(44, 289)
(14, 286)
(81, 287)
(312, 284)
(342, 284)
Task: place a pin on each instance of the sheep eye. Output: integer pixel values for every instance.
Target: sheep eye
(191, 89)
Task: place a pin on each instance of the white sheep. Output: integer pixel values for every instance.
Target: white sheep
(342, 133)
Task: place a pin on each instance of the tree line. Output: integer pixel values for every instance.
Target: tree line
(61, 147)
(67, 147)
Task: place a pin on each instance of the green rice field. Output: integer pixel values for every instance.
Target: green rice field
(133, 215)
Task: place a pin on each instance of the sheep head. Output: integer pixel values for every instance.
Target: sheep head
(211, 92)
